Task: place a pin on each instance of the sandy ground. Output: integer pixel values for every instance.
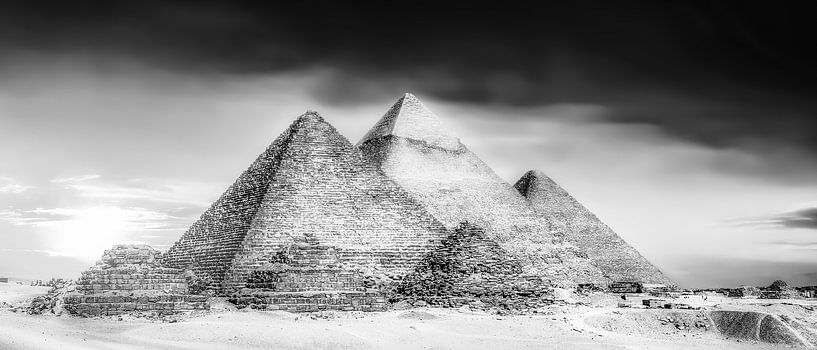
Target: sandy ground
(12, 293)
(559, 327)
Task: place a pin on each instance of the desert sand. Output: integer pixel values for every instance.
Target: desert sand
(596, 323)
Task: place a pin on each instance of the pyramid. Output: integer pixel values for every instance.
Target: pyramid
(469, 267)
(310, 214)
(411, 146)
(616, 259)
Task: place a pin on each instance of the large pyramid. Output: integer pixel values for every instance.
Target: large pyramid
(312, 210)
(615, 258)
(412, 148)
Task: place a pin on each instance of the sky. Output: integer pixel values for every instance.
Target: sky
(688, 127)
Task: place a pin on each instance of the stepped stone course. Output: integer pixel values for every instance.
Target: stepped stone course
(617, 260)
(456, 186)
(131, 278)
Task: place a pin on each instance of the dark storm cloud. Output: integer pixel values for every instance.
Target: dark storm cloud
(803, 218)
(721, 75)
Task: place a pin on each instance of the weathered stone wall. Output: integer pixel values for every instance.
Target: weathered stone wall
(470, 268)
(108, 305)
(456, 186)
(131, 268)
(131, 278)
(616, 258)
(306, 267)
(312, 301)
(309, 277)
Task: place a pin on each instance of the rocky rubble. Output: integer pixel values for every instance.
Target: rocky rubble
(470, 269)
(52, 302)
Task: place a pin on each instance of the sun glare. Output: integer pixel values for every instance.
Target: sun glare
(92, 230)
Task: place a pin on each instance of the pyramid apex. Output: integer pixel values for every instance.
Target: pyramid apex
(411, 119)
(529, 180)
(535, 174)
(310, 115)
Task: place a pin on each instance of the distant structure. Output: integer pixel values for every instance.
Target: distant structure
(4, 280)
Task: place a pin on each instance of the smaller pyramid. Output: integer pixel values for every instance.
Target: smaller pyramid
(617, 260)
(469, 267)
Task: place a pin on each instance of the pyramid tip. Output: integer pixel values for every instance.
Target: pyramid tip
(535, 173)
(409, 118)
(310, 115)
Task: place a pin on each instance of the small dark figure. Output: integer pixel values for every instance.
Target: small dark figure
(624, 297)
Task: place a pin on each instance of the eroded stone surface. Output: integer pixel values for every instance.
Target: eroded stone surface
(470, 268)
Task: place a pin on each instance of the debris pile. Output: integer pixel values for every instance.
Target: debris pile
(471, 269)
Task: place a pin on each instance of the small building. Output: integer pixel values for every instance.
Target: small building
(626, 287)
(653, 303)
(4, 280)
(807, 291)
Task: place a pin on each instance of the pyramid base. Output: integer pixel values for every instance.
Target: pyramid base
(107, 304)
(516, 304)
(311, 301)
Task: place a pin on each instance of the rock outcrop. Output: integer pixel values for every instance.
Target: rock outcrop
(756, 326)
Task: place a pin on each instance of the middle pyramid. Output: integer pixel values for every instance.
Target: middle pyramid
(410, 145)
